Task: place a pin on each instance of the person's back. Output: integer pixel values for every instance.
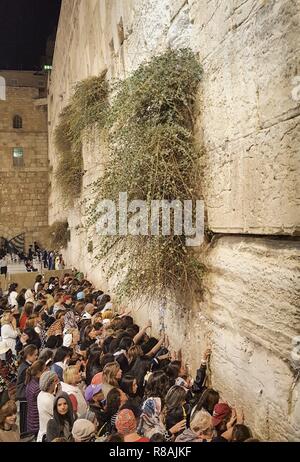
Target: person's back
(45, 403)
(32, 391)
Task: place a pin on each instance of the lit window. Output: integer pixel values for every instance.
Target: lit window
(17, 122)
(18, 157)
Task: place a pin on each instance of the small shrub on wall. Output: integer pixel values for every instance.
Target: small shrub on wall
(58, 235)
(86, 109)
(152, 155)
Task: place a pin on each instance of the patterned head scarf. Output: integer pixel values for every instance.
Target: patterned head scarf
(70, 320)
(150, 422)
(125, 422)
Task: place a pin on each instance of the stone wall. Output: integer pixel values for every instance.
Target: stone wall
(24, 189)
(247, 122)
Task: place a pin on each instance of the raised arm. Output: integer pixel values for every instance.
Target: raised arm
(140, 334)
(157, 347)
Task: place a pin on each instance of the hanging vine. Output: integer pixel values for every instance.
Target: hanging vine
(152, 155)
(87, 109)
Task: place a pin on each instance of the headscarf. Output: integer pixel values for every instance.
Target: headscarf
(70, 320)
(46, 379)
(69, 415)
(56, 328)
(29, 297)
(150, 422)
(125, 422)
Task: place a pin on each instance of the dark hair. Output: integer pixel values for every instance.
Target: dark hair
(34, 338)
(172, 371)
(131, 331)
(105, 359)
(97, 325)
(114, 345)
(88, 329)
(12, 287)
(104, 299)
(127, 383)
(106, 344)
(46, 354)
(208, 400)
(125, 343)
(21, 298)
(157, 386)
(175, 397)
(69, 416)
(61, 353)
(113, 401)
(54, 341)
(27, 351)
(127, 321)
(132, 405)
(139, 369)
(176, 415)
(157, 438)
(240, 433)
(39, 278)
(93, 363)
(32, 371)
(252, 440)
(148, 345)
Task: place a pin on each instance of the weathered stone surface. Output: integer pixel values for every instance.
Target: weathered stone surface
(249, 316)
(249, 126)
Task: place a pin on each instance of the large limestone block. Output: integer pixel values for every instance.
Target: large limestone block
(249, 55)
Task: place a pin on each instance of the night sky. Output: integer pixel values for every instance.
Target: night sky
(25, 26)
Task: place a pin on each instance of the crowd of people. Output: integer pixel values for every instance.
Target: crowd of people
(75, 369)
(35, 257)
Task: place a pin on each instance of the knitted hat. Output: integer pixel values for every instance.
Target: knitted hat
(46, 379)
(91, 391)
(126, 422)
(83, 430)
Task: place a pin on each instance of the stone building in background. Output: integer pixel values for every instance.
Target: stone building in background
(24, 157)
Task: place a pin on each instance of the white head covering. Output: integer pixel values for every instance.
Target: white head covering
(29, 297)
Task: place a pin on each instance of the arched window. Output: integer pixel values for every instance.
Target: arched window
(17, 122)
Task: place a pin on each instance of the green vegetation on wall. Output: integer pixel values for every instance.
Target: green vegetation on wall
(58, 235)
(150, 154)
(86, 109)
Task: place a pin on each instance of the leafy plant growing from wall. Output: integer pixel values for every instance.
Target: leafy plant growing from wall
(152, 155)
(87, 109)
(58, 235)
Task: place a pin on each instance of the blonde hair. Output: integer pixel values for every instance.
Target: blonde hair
(202, 422)
(107, 314)
(109, 373)
(31, 321)
(69, 374)
(134, 352)
(6, 319)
